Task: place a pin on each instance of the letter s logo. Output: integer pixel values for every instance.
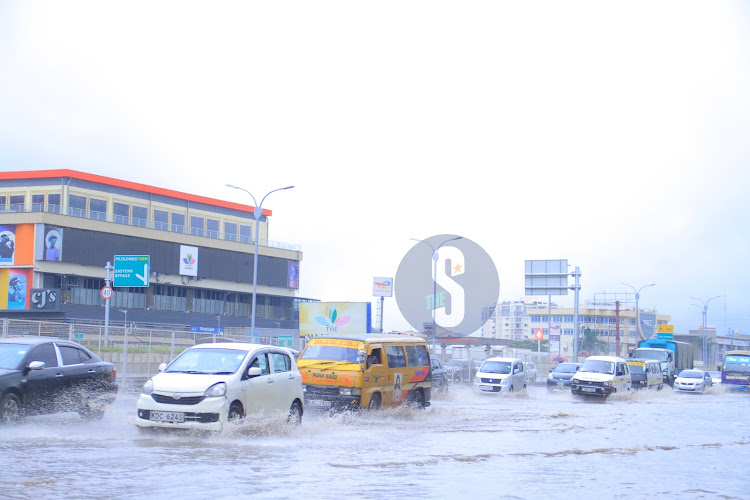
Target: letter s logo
(456, 291)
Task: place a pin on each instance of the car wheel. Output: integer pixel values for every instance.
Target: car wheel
(374, 403)
(10, 409)
(91, 413)
(417, 400)
(235, 413)
(295, 414)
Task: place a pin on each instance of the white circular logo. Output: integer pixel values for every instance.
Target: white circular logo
(448, 281)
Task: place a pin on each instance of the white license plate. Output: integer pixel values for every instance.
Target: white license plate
(167, 416)
(320, 403)
(487, 388)
(588, 389)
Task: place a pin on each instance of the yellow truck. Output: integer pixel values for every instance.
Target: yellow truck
(369, 370)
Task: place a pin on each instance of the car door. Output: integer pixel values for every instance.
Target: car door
(42, 386)
(285, 381)
(258, 392)
(78, 379)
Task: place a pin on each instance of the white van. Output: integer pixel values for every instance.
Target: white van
(601, 376)
(500, 375)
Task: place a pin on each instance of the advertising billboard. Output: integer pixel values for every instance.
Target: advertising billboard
(16, 282)
(324, 318)
(7, 243)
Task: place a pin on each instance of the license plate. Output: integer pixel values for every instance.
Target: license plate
(588, 389)
(168, 416)
(319, 403)
(487, 388)
(560, 384)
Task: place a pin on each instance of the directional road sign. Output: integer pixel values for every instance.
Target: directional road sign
(132, 270)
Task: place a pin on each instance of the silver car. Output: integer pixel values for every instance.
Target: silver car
(692, 380)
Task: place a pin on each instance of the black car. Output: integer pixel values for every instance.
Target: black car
(439, 376)
(41, 375)
(559, 377)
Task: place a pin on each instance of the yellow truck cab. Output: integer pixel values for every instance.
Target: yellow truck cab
(370, 370)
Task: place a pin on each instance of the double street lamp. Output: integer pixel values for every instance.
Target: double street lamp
(637, 309)
(257, 213)
(704, 323)
(434, 282)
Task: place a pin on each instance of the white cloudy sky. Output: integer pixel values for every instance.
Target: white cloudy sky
(611, 134)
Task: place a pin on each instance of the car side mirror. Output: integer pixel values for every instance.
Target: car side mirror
(254, 371)
(162, 366)
(36, 365)
(361, 356)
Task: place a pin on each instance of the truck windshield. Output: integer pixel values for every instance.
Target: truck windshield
(736, 363)
(649, 354)
(330, 353)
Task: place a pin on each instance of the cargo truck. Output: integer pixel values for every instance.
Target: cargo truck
(673, 356)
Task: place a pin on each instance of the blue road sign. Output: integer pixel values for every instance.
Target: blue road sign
(132, 270)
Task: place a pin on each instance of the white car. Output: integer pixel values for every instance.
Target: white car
(500, 375)
(209, 385)
(692, 380)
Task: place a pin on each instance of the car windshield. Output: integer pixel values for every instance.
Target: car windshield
(598, 366)
(637, 367)
(209, 361)
(11, 355)
(330, 353)
(690, 374)
(565, 368)
(715, 374)
(500, 367)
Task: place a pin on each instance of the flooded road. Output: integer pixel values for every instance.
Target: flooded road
(526, 445)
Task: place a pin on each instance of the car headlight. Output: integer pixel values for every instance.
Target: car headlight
(349, 391)
(148, 387)
(216, 390)
(607, 383)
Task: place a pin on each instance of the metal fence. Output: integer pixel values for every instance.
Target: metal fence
(146, 345)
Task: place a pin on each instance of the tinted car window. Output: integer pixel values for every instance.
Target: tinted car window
(261, 362)
(280, 362)
(45, 353)
(396, 358)
(417, 355)
(71, 355)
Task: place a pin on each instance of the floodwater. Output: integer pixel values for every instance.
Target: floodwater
(537, 444)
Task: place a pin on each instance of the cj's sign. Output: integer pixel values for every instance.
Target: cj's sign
(47, 299)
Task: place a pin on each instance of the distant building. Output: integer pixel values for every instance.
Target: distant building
(519, 319)
(61, 227)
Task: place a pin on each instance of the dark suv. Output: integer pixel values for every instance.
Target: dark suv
(559, 377)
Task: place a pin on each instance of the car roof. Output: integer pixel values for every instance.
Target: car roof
(34, 340)
(372, 338)
(240, 346)
(606, 358)
(503, 359)
(641, 360)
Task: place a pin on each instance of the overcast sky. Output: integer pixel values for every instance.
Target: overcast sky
(612, 134)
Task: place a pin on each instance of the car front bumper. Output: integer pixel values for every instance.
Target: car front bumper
(209, 414)
(583, 389)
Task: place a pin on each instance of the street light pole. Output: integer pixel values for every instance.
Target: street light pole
(637, 310)
(257, 213)
(125, 348)
(435, 257)
(704, 323)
